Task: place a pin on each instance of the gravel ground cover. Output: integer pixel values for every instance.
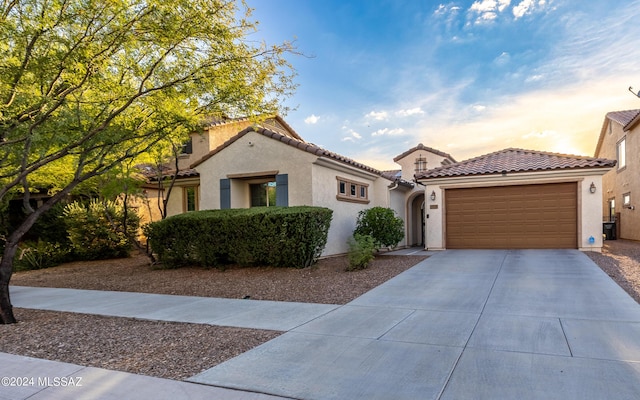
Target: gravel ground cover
(620, 259)
(168, 349)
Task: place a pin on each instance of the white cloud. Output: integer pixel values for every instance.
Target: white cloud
(388, 132)
(487, 10)
(527, 7)
(534, 78)
(409, 112)
(503, 59)
(502, 4)
(447, 9)
(479, 107)
(311, 119)
(378, 115)
(483, 6)
(352, 135)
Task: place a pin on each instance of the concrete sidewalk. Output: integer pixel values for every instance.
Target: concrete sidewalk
(528, 324)
(256, 314)
(35, 379)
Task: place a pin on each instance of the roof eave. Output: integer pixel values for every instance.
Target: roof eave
(575, 171)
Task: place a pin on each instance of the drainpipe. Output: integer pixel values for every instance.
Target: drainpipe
(391, 187)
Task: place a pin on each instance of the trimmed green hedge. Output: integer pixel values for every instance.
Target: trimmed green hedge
(276, 236)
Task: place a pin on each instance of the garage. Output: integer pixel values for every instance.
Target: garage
(539, 216)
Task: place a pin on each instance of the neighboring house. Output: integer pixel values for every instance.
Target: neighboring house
(620, 140)
(516, 199)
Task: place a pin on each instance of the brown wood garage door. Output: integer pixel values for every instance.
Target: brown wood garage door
(512, 217)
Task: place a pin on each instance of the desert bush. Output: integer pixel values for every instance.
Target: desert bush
(97, 229)
(361, 251)
(40, 254)
(277, 236)
(382, 225)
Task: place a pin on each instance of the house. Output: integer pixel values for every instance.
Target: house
(514, 199)
(620, 140)
(260, 167)
(508, 199)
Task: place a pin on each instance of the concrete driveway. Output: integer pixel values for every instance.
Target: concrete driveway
(522, 324)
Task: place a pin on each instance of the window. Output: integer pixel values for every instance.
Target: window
(612, 209)
(190, 196)
(622, 153)
(421, 164)
(352, 191)
(626, 200)
(187, 148)
(342, 188)
(263, 194)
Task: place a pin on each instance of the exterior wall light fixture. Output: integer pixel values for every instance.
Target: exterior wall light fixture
(433, 195)
(592, 188)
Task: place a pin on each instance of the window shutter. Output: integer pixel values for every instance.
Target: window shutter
(225, 193)
(282, 190)
(187, 148)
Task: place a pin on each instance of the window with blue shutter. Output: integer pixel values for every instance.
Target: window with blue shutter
(282, 190)
(225, 193)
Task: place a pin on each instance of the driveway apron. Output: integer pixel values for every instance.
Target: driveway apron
(465, 324)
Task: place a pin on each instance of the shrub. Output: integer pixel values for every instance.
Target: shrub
(382, 225)
(361, 251)
(40, 254)
(51, 227)
(97, 231)
(277, 236)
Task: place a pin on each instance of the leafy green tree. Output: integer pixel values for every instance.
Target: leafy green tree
(86, 85)
(382, 225)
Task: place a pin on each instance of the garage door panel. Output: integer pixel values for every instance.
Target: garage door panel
(527, 216)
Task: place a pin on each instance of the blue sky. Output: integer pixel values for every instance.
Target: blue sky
(464, 77)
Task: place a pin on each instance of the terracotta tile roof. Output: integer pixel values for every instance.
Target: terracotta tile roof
(151, 173)
(212, 122)
(420, 146)
(304, 146)
(515, 160)
(626, 118)
(396, 176)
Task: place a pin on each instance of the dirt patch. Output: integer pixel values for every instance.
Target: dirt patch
(154, 348)
(326, 282)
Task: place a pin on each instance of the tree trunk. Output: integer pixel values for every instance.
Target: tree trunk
(11, 247)
(6, 266)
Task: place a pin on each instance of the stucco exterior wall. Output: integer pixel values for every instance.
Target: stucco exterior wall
(252, 154)
(345, 213)
(619, 181)
(397, 201)
(408, 166)
(199, 146)
(589, 205)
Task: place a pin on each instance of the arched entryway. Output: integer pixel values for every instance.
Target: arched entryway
(416, 222)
